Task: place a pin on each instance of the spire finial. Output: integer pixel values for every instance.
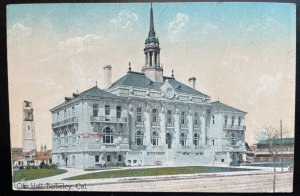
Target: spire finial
(172, 73)
(151, 31)
(96, 83)
(129, 67)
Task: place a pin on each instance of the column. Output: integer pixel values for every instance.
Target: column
(176, 139)
(203, 128)
(158, 59)
(162, 128)
(190, 129)
(147, 127)
(153, 59)
(146, 58)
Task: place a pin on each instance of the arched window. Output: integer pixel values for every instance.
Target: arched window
(139, 136)
(233, 138)
(108, 135)
(154, 138)
(183, 139)
(196, 139)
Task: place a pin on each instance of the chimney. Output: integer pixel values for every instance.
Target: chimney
(107, 76)
(192, 82)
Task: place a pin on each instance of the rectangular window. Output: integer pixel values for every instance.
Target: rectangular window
(119, 111)
(28, 128)
(57, 117)
(134, 161)
(73, 111)
(107, 110)
(226, 119)
(232, 120)
(139, 114)
(169, 116)
(154, 115)
(196, 118)
(240, 120)
(213, 120)
(97, 159)
(108, 158)
(182, 116)
(65, 114)
(119, 158)
(95, 109)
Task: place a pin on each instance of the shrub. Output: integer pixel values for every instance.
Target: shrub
(53, 166)
(42, 165)
(28, 167)
(21, 167)
(34, 167)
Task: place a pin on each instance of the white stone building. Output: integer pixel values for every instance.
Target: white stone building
(146, 119)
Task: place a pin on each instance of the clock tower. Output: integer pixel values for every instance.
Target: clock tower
(29, 141)
(152, 67)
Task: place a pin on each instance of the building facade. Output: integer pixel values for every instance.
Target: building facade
(146, 118)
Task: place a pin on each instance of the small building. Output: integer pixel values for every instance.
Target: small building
(262, 153)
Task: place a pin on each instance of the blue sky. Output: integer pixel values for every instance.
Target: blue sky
(243, 53)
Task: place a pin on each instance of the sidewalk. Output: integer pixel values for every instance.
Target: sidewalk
(58, 179)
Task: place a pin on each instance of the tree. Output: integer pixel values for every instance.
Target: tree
(270, 138)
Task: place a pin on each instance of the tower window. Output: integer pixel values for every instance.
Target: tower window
(108, 135)
(95, 109)
(97, 159)
(196, 118)
(213, 120)
(239, 121)
(139, 114)
(226, 120)
(119, 111)
(154, 115)
(182, 120)
(232, 120)
(196, 139)
(183, 139)
(169, 116)
(107, 110)
(154, 138)
(139, 136)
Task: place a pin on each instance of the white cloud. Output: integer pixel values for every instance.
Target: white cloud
(79, 44)
(208, 28)
(268, 82)
(124, 19)
(18, 31)
(176, 26)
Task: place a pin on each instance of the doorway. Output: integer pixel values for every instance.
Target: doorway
(169, 140)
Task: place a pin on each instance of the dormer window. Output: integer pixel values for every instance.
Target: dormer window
(150, 83)
(178, 88)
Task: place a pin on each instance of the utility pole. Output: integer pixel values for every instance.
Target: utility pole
(281, 145)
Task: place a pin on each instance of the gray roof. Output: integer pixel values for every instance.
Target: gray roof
(97, 92)
(139, 80)
(276, 141)
(221, 106)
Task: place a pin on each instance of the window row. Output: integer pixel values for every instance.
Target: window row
(226, 120)
(66, 140)
(169, 116)
(65, 114)
(107, 110)
(139, 138)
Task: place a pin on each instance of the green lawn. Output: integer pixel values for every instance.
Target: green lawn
(31, 174)
(152, 172)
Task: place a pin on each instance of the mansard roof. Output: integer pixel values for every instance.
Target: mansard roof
(276, 141)
(223, 107)
(97, 92)
(139, 80)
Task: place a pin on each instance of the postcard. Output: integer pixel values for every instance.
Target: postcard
(152, 97)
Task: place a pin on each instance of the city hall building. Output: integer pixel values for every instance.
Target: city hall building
(146, 118)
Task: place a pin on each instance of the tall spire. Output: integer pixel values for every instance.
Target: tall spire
(151, 30)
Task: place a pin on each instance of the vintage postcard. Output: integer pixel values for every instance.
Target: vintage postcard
(152, 97)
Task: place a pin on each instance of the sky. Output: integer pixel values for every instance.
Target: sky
(241, 53)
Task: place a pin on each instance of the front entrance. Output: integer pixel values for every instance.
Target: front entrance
(169, 140)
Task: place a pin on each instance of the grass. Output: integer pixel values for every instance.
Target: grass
(31, 174)
(152, 172)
